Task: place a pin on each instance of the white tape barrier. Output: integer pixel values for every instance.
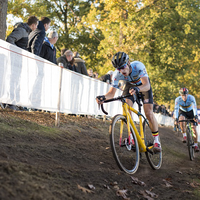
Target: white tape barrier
(30, 81)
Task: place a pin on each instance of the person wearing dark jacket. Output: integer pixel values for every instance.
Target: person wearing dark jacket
(19, 35)
(67, 60)
(36, 37)
(107, 77)
(80, 64)
(48, 50)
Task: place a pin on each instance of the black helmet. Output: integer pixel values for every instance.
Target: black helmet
(119, 59)
(183, 91)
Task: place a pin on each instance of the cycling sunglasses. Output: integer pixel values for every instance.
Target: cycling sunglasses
(122, 67)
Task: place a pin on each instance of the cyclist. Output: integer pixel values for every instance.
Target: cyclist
(186, 107)
(134, 72)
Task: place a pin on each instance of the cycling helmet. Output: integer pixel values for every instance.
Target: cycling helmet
(183, 91)
(120, 59)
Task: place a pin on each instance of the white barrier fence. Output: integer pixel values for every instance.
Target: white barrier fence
(30, 81)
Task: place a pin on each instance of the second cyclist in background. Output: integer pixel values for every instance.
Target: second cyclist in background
(186, 108)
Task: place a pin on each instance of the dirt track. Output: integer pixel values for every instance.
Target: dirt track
(74, 161)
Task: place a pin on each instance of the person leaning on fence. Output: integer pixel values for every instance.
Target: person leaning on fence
(19, 35)
(63, 51)
(107, 77)
(80, 64)
(90, 72)
(36, 37)
(67, 60)
(48, 50)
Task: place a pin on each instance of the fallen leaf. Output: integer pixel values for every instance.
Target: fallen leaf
(85, 190)
(179, 172)
(167, 183)
(138, 182)
(143, 193)
(122, 193)
(106, 186)
(116, 187)
(91, 187)
(151, 194)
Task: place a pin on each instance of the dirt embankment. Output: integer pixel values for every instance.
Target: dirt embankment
(74, 161)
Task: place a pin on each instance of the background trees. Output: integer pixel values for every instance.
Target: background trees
(164, 35)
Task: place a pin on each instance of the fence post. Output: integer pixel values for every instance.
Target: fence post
(57, 118)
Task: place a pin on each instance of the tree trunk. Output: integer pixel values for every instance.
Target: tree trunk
(3, 14)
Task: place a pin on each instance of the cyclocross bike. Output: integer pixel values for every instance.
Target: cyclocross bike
(190, 138)
(127, 143)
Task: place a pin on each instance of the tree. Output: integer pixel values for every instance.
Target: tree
(162, 34)
(3, 14)
(66, 17)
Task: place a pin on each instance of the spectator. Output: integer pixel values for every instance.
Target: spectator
(63, 51)
(90, 72)
(95, 75)
(80, 64)
(107, 77)
(19, 35)
(67, 60)
(48, 50)
(36, 37)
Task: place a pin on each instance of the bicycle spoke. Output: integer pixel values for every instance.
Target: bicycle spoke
(154, 159)
(125, 153)
(190, 144)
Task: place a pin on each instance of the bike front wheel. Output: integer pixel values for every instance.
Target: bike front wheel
(126, 153)
(154, 159)
(190, 144)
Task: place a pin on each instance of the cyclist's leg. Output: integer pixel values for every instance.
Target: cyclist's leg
(183, 127)
(148, 109)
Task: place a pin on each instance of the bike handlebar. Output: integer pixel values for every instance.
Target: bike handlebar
(121, 98)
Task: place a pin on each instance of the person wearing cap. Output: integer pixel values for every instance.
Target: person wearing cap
(107, 77)
(48, 50)
(67, 60)
(80, 64)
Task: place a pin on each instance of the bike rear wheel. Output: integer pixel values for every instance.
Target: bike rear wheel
(154, 159)
(126, 155)
(190, 144)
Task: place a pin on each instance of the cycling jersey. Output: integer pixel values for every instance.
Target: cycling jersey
(185, 106)
(138, 71)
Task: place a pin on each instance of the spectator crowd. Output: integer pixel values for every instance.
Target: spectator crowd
(31, 36)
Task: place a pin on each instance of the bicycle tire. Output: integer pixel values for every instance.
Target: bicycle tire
(126, 158)
(190, 144)
(154, 159)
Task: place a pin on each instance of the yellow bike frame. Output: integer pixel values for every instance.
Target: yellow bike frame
(140, 136)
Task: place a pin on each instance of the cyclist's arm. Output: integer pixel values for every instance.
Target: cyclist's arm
(145, 84)
(144, 87)
(111, 93)
(176, 109)
(194, 106)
